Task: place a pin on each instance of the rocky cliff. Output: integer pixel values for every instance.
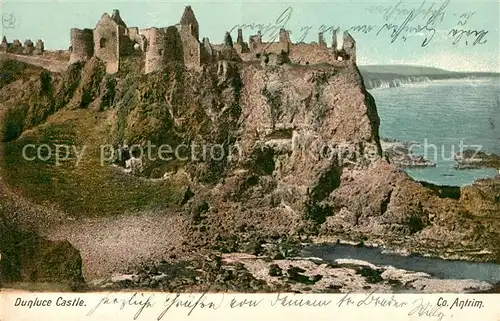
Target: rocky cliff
(298, 155)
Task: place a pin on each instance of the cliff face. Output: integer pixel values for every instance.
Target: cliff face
(307, 125)
(309, 114)
(299, 153)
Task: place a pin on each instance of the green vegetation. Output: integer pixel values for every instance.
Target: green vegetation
(86, 189)
(44, 108)
(10, 70)
(371, 275)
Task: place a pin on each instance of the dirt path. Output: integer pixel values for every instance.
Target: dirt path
(107, 244)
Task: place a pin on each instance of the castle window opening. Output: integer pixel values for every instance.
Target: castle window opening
(102, 43)
(160, 52)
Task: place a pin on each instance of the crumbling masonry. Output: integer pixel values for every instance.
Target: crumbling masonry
(16, 47)
(111, 40)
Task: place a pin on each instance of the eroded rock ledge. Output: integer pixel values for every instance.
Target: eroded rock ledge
(239, 272)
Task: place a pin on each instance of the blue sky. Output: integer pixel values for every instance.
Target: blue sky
(476, 21)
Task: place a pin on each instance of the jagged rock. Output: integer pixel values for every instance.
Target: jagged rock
(275, 270)
(199, 207)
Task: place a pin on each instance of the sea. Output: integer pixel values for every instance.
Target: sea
(443, 117)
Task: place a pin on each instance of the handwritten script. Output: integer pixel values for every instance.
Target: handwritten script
(162, 305)
(400, 21)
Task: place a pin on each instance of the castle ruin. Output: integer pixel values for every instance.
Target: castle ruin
(111, 40)
(16, 47)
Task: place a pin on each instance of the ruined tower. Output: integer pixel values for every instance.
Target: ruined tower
(155, 50)
(39, 47)
(284, 36)
(82, 45)
(164, 47)
(285, 42)
(241, 46)
(29, 47)
(4, 45)
(255, 41)
(228, 40)
(188, 20)
(116, 18)
(321, 40)
(349, 47)
(335, 53)
(239, 39)
(17, 47)
(189, 31)
(107, 42)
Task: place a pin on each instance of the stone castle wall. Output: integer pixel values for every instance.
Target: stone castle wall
(106, 43)
(112, 39)
(191, 47)
(133, 34)
(313, 53)
(155, 46)
(349, 47)
(16, 47)
(82, 45)
(29, 47)
(4, 45)
(174, 46)
(39, 47)
(299, 53)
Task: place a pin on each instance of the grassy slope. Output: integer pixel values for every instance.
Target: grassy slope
(87, 189)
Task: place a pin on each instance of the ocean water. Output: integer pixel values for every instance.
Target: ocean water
(443, 117)
(436, 267)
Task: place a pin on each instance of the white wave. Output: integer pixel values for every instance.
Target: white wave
(397, 82)
(420, 81)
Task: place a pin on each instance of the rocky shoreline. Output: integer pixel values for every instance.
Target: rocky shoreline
(399, 154)
(471, 159)
(240, 272)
